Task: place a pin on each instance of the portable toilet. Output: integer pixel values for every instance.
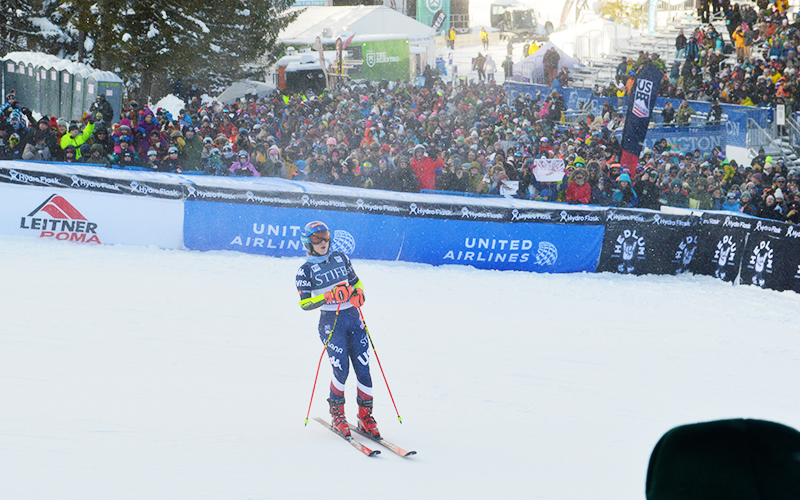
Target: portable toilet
(79, 93)
(9, 76)
(107, 84)
(39, 95)
(52, 92)
(29, 84)
(65, 96)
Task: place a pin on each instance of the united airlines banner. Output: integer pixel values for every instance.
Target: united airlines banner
(542, 240)
(640, 110)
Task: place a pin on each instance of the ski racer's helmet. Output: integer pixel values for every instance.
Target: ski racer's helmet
(314, 230)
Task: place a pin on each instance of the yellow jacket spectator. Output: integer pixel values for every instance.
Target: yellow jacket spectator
(76, 138)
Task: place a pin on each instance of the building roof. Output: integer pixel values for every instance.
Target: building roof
(331, 22)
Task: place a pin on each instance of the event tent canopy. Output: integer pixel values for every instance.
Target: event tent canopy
(330, 23)
(531, 69)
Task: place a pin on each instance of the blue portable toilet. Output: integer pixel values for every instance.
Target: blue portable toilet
(107, 84)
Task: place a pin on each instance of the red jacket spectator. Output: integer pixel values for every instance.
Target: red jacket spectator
(578, 190)
(425, 167)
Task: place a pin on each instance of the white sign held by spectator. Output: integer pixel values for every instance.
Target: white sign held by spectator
(548, 169)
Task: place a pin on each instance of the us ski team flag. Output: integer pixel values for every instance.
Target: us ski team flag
(640, 110)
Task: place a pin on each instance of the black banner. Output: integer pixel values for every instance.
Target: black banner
(644, 242)
(91, 183)
(763, 255)
(722, 240)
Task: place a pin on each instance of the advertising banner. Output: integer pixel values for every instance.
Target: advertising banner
(722, 240)
(690, 138)
(788, 264)
(764, 254)
(88, 182)
(574, 99)
(385, 60)
(646, 242)
(90, 217)
(551, 241)
(427, 10)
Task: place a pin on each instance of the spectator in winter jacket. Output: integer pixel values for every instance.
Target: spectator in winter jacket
(102, 106)
(425, 167)
(192, 151)
(76, 138)
(579, 191)
(102, 139)
(154, 141)
(731, 204)
(648, 191)
(243, 166)
(624, 195)
(37, 150)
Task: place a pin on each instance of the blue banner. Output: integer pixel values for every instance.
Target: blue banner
(275, 231)
(574, 99)
(690, 138)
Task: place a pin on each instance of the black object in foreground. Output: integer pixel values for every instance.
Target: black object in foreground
(735, 459)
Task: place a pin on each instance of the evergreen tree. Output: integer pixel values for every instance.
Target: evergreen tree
(17, 32)
(149, 44)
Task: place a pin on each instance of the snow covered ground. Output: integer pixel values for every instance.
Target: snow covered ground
(133, 372)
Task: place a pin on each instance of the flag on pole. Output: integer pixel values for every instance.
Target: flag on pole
(640, 111)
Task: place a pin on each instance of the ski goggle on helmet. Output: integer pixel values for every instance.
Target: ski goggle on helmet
(315, 233)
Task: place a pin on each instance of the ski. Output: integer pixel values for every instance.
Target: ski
(356, 444)
(391, 446)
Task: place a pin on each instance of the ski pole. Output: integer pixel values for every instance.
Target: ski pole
(324, 348)
(379, 365)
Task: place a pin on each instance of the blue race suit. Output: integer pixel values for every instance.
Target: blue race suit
(349, 338)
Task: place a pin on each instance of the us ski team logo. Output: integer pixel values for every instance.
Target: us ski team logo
(641, 99)
(59, 219)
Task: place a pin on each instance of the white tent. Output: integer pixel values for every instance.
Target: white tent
(243, 88)
(531, 69)
(373, 22)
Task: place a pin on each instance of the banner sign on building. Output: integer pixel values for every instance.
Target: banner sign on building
(427, 11)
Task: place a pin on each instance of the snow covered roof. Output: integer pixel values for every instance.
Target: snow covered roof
(51, 61)
(370, 22)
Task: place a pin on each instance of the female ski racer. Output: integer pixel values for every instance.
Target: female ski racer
(327, 281)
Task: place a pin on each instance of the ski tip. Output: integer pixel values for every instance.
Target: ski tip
(374, 453)
(408, 454)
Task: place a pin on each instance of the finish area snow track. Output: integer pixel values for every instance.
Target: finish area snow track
(132, 372)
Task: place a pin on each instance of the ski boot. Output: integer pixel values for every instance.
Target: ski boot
(365, 421)
(338, 421)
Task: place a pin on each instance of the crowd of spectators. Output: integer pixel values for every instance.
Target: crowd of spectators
(762, 41)
(466, 139)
